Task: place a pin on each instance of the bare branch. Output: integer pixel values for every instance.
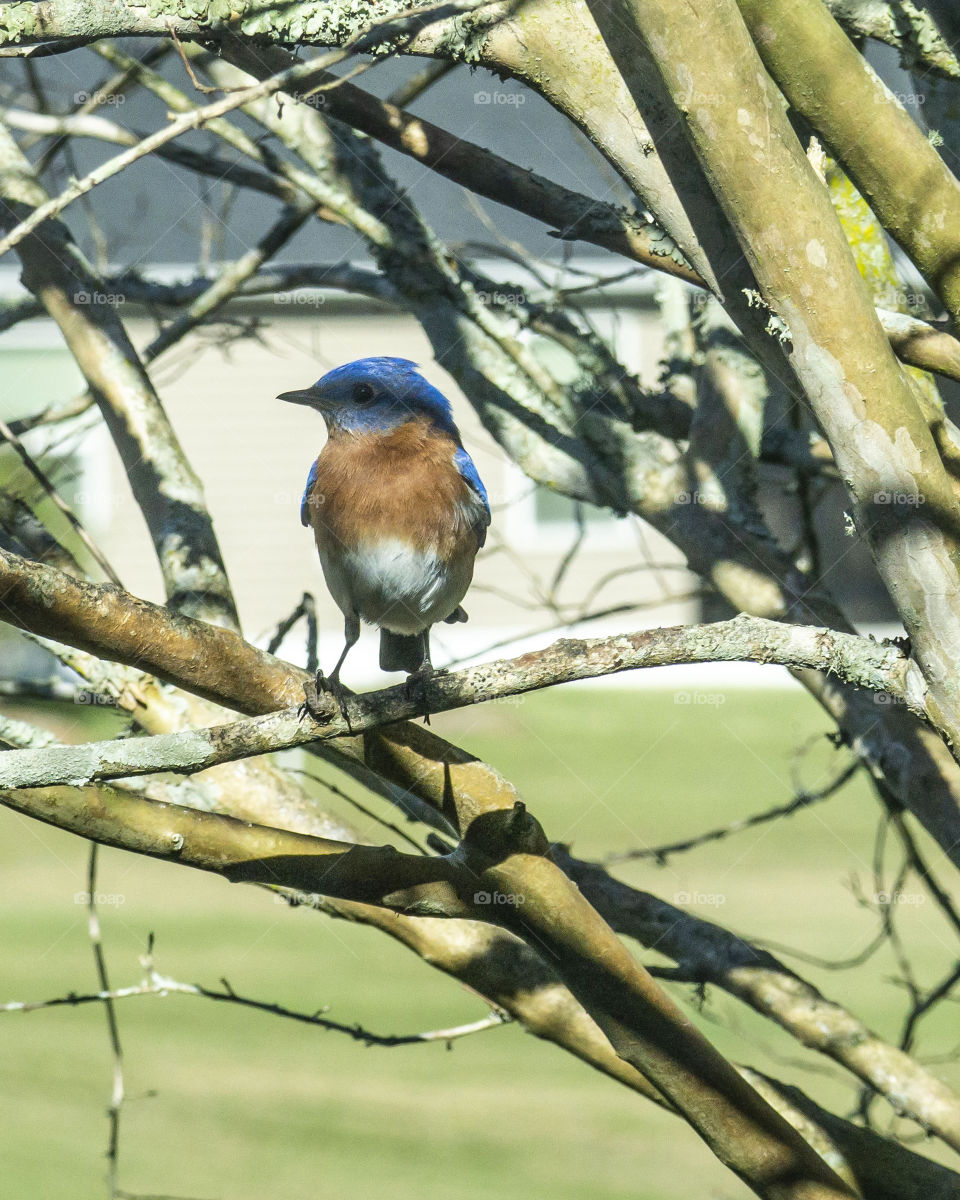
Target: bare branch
(51, 492)
(575, 216)
(396, 26)
(303, 72)
(116, 1050)
(167, 490)
(232, 278)
(906, 26)
(155, 984)
(502, 854)
(906, 182)
(707, 953)
(660, 854)
(853, 381)
(468, 953)
(880, 666)
(414, 87)
(99, 128)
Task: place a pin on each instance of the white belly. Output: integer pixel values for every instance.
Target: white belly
(395, 586)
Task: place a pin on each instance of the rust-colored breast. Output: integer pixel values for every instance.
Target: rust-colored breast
(403, 485)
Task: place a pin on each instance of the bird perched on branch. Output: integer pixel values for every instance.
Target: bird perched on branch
(397, 508)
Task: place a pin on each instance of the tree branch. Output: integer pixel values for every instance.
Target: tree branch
(246, 853)
(879, 666)
(155, 984)
(99, 128)
(575, 216)
(853, 381)
(708, 953)
(502, 854)
(167, 491)
(186, 123)
(905, 181)
(906, 26)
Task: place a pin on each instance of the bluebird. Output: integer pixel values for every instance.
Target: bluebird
(397, 508)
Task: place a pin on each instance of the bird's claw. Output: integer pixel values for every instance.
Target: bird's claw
(416, 679)
(315, 692)
(313, 702)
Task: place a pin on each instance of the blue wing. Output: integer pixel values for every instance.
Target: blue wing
(305, 501)
(464, 464)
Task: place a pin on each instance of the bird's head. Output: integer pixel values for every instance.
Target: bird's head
(374, 395)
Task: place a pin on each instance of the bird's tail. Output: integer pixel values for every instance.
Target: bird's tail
(400, 651)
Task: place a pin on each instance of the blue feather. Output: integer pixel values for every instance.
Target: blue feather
(465, 465)
(400, 391)
(305, 501)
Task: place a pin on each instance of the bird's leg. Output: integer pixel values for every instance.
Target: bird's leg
(331, 683)
(425, 671)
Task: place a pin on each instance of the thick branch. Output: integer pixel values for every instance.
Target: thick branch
(907, 184)
(574, 215)
(853, 382)
(906, 26)
(490, 961)
(880, 666)
(502, 848)
(708, 953)
(246, 853)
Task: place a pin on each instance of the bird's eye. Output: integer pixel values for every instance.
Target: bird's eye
(362, 393)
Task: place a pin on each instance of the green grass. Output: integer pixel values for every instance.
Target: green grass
(226, 1103)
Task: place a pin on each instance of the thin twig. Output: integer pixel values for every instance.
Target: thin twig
(35, 470)
(362, 808)
(802, 800)
(299, 74)
(921, 867)
(413, 88)
(155, 984)
(307, 608)
(116, 1051)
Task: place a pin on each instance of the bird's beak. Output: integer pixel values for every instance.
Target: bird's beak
(306, 396)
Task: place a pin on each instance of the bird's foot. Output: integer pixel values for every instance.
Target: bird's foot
(314, 693)
(416, 679)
